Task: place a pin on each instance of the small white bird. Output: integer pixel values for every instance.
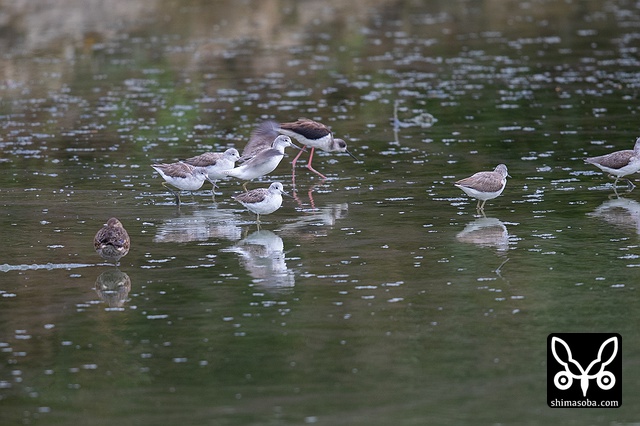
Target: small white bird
(183, 176)
(263, 163)
(216, 163)
(262, 200)
(619, 163)
(485, 185)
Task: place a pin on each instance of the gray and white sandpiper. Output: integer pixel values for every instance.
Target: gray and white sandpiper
(262, 163)
(619, 163)
(315, 135)
(112, 241)
(262, 200)
(216, 163)
(183, 176)
(485, 185)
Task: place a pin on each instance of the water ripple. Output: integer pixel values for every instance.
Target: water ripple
(50, 266)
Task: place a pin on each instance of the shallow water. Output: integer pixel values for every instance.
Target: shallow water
(376, 296)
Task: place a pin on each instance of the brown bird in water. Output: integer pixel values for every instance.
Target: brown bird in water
(112, 241)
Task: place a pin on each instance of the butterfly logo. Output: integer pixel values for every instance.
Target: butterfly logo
(574, 371)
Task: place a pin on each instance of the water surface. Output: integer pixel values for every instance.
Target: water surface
(376, 296)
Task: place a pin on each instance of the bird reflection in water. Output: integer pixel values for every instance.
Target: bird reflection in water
(262, 255)
(486, 232)
(313, 188)
(619, 211)
(113, 287)
(316, 222)
(202, 225)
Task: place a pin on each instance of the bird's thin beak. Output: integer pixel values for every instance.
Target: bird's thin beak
(303, 149)
(509, 176)
(286, 193)
(212, 183)
(352, 156)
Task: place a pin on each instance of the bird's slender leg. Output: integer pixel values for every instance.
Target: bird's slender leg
(213, 190)
(480, 208)
(295, 160)
(175, 193)
(293, 171)
(244, 185)
(310, 167)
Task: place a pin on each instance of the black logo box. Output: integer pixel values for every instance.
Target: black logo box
(585, 348)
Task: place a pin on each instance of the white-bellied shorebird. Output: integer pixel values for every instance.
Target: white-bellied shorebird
(216, 163)
(263, 163)
(485, 185)
(183, 176)
(262, 200)
(619, 163)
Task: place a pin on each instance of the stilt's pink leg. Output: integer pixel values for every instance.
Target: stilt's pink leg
(293, 172)
(310, 167)
(296, 159)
